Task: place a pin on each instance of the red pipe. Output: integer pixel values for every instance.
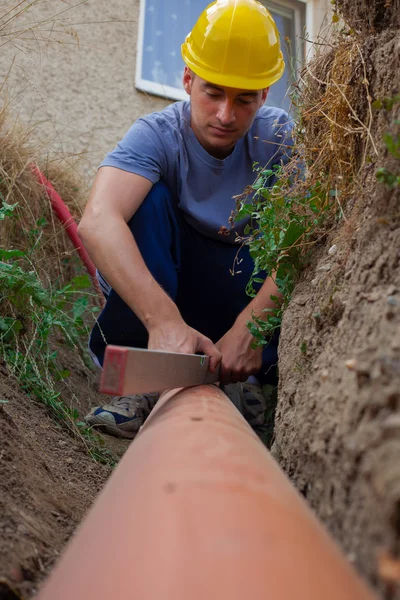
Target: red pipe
(198, 510)
(64, 215)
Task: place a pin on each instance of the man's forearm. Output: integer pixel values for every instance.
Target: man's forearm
(116, 254)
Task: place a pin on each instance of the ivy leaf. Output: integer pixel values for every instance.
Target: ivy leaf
(392, 144)
(81, 282)
(244, 211)
(7, 254)
(292, 235)
(79, 308)
(6, 210)
(64, 373)
(377, 104)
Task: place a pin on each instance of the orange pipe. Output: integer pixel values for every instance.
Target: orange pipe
(198, 510)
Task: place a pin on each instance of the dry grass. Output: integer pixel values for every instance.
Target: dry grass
(22, 27)
(334, 135)
(53, 252)
(335, 112)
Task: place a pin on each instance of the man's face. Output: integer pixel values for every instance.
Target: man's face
(220, 116)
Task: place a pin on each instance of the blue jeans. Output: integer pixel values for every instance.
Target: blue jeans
(194, 270)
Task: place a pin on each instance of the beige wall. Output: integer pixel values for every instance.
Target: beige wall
(81, 94)
(74, 80)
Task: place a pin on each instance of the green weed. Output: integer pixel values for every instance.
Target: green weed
(383, 175)
(392, 143)
(32, 316)
(282, 227)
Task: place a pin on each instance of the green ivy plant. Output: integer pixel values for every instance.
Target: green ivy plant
(31, 316)
(282, 226)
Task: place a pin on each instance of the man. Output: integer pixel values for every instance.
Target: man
(157, 221)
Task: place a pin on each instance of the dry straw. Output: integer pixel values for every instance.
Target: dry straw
(335, 112)
(333, 137)
(20, 146)
(34, 226)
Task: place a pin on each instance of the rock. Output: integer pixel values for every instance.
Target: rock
(324, 374)
(326, 267)
(301, 300)
(352, 364)
(348, 274)
(22, 530)
(371, 297)
(332, 250)
(392, 423)
(392, 301)
(352, 557)
(69, 460)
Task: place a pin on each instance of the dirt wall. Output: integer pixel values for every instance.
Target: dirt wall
(48, 481)
(338, 416)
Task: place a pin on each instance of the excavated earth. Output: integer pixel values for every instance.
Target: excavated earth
(47, 481)
(337, 430)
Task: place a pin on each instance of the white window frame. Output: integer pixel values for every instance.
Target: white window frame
(299, 22)
(170, 92)
(298, 29)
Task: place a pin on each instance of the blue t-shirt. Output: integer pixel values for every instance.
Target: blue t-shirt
(162, 145)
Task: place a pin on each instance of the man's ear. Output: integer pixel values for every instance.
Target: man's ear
(264, 96)
(187, 80)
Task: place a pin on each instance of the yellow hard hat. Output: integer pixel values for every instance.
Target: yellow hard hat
(235, 43)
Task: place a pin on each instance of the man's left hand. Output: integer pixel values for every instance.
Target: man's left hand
(239, 359)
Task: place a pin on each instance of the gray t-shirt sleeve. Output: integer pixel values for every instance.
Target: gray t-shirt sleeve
(141, 151)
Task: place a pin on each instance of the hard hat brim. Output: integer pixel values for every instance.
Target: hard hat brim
(232, 80)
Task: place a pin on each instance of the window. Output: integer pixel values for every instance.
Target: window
(290, 19)
(163, 25)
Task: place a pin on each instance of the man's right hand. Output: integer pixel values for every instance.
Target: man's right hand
(179, 337)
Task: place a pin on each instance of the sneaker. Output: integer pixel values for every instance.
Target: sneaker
(124, 416)
(251, 402)
(254, 405)
(234, 391)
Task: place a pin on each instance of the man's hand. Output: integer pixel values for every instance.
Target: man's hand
(176, 336)
(239, 359)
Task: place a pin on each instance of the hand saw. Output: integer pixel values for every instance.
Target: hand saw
(128, 371)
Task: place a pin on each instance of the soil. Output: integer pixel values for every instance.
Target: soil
(47, 481)
(337, 429)
(370, 17)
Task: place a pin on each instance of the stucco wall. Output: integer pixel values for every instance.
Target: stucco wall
(78, 91)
